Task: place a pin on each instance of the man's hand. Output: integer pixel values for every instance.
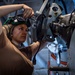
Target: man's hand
(28, 11)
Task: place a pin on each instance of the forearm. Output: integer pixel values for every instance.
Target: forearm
(35, 47)
(0, 27)
(6, 9)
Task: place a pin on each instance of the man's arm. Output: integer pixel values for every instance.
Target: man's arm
(6, 9)
(34, 47)
(0, 27)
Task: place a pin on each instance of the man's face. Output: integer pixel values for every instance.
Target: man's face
(19, 33)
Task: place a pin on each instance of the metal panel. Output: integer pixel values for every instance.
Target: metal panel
(71, 55)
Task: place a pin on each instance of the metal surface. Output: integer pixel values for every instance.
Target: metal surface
(42, 7)
(9, 1)
(71, 55)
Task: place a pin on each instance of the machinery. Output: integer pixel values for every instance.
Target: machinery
(58, 32)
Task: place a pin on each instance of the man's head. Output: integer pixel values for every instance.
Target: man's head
(18, 29)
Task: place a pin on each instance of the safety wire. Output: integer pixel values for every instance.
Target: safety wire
(34, 58)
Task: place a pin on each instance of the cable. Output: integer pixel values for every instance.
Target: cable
(34, 58)
(64, 5)
(71, 16)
